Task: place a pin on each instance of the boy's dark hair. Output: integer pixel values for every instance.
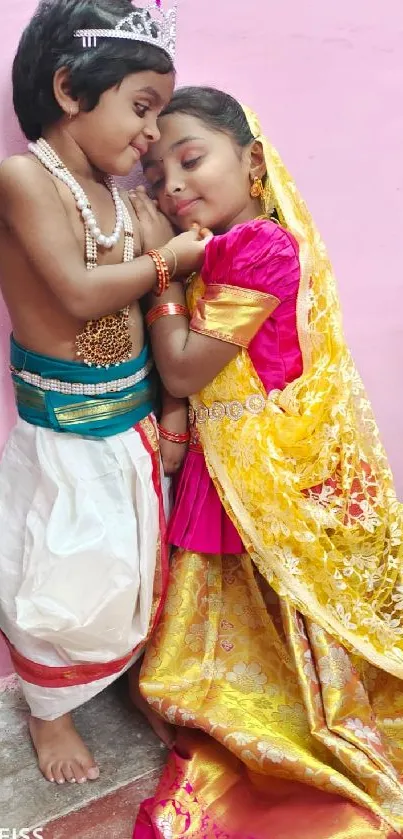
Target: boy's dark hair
(218, 110)
(48, 43)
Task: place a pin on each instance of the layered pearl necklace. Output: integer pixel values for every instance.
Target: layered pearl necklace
(106, 341)
(50, 160)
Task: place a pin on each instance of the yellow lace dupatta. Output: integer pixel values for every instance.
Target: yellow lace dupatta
(303, 474)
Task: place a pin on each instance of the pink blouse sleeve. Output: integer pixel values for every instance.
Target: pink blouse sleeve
(258, 255)
(248, 273)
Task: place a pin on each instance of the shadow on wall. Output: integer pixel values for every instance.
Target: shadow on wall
(11, 142)
(7, 412)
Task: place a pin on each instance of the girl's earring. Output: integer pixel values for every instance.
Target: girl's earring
(257, 188)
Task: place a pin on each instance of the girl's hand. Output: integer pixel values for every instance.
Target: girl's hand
(174, 418)
(189, 249)
(155, 229)
(172, 455)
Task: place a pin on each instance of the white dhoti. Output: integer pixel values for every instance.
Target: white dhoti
(81, 559)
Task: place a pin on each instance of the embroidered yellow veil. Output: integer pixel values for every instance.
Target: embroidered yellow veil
(305, 477)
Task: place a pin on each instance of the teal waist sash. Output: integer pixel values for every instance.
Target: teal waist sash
(97, 402)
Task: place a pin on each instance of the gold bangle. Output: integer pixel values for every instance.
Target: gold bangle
(175, 259)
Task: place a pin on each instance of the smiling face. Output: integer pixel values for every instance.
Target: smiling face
(199, 175)
(120, 129)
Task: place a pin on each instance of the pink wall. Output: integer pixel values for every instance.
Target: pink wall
(327, 80)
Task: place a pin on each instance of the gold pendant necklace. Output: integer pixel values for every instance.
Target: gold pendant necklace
(106, 342)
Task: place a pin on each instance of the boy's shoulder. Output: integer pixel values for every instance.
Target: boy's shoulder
(21, 177)
(19, 170)
(17, 164)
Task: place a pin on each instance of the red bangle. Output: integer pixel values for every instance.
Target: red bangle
(172, 437)
(161, 267)
(165, 309)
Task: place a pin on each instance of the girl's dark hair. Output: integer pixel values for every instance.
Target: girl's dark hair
(218, 110)
(48, 43)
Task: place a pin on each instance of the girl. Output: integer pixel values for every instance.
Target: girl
(282, 636)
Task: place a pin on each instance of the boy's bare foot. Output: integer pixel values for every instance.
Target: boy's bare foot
(163, 730)
(62, 755)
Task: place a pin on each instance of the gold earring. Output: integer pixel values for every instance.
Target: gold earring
(257, 188)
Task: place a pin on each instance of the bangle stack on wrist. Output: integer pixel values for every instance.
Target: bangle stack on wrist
(172, 437)
(164, 275)
(161, 267)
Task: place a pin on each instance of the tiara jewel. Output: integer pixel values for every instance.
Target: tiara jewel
(148, 24)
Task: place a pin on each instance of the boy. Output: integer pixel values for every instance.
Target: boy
(81, 557)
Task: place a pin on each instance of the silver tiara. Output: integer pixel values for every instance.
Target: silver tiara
(148, 24)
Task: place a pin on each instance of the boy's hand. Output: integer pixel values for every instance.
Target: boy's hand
(155, 229)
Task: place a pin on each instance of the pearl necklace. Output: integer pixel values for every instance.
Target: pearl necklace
(107, 341)
(48, 157)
